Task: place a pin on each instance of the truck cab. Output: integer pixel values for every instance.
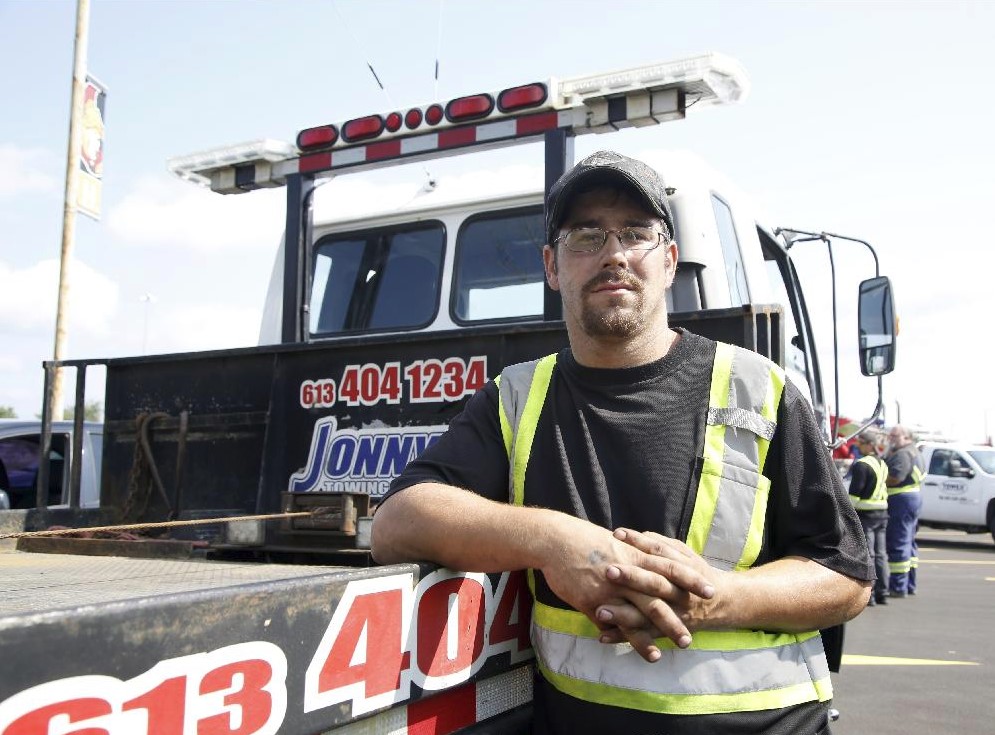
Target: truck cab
(958, 490)
(443, 261)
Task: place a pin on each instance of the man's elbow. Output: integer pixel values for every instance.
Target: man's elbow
(856, 601)
(385, 545)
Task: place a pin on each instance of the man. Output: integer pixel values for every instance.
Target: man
(869, 494)
(905, 473)
(663, 436)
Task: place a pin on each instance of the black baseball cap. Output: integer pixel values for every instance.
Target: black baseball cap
(612, 169)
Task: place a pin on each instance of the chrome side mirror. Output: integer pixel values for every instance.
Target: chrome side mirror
(877, 327)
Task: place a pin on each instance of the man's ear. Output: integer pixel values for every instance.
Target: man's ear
(670, 261)
(549, 263)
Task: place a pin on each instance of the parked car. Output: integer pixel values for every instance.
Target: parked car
(958, 490)
(20, 458)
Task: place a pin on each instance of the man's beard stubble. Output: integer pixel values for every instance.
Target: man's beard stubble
(613, 321)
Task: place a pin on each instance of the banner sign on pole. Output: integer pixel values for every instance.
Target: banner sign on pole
(89, 185)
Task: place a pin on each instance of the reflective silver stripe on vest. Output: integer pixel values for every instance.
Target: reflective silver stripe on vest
(743, 414)
(731, 471)
(513, 389)
(684, 671)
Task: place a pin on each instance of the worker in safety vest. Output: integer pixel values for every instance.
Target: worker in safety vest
(869, 494)
(685, 532)
(905, 473)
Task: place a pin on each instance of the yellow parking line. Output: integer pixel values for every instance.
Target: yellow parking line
(957, 561)
(850, 659)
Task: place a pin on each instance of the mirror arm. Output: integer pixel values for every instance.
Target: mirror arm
(877, 269)
(840, 441)
(810, 236)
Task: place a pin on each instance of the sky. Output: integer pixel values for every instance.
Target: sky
(869, 119)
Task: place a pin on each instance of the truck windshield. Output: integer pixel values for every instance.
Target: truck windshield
(380, 279)
(985, 459)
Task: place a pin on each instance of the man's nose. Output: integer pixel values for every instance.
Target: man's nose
(613, 253)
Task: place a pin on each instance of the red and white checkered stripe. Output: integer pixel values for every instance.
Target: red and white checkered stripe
(419, 145)
(450, 710)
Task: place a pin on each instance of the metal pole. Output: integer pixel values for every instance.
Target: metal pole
(296, 258)
(76, 458)
(559, 156)
(69, 206)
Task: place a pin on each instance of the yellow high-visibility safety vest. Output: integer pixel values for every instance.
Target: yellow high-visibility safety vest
(722, 671)
(915, 482)
(879, 498)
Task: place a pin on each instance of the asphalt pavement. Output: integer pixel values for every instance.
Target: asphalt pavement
(926, 663)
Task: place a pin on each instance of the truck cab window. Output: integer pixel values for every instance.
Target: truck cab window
(939, 463)
(381, 279)
(499, 273)
(739, 293)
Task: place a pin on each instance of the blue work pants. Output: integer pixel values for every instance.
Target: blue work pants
(903, 516)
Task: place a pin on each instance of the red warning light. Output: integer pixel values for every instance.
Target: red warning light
(473, 107)
(433, 115)
(319, 137)
(393, 123)
(413, 118)
(522, 98)
(362, 128)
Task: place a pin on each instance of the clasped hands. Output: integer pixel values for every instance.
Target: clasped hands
(638, 587)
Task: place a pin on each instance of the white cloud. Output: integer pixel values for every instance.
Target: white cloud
(201, 327)
(28, 298)
(10, 364)
(25, 170)
(169, 213)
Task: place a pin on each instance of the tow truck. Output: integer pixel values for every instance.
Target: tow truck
(250, 604)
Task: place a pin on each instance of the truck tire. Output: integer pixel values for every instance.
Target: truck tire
(991, 518)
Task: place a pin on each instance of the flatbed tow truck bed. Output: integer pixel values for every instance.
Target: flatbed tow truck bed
(143, 646)
(63, 585)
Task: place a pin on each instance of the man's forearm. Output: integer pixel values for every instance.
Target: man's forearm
(457, 529)
(791, 594)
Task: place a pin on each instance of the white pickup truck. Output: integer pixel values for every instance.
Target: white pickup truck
(959, 488)
(20, 459)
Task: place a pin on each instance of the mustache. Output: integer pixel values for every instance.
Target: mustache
(614, 278)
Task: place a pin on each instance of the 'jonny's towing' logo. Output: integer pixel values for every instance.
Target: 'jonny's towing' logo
(359, 460)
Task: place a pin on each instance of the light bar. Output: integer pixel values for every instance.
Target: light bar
(600, 103)
(197, 167)
(711, 78)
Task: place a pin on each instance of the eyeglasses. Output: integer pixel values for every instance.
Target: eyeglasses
(592, 239)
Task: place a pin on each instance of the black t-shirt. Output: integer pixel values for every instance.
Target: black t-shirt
(623, 447)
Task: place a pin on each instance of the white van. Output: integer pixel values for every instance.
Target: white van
(959, 488)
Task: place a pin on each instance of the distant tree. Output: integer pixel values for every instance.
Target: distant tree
(7, 412)
(92, 411)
